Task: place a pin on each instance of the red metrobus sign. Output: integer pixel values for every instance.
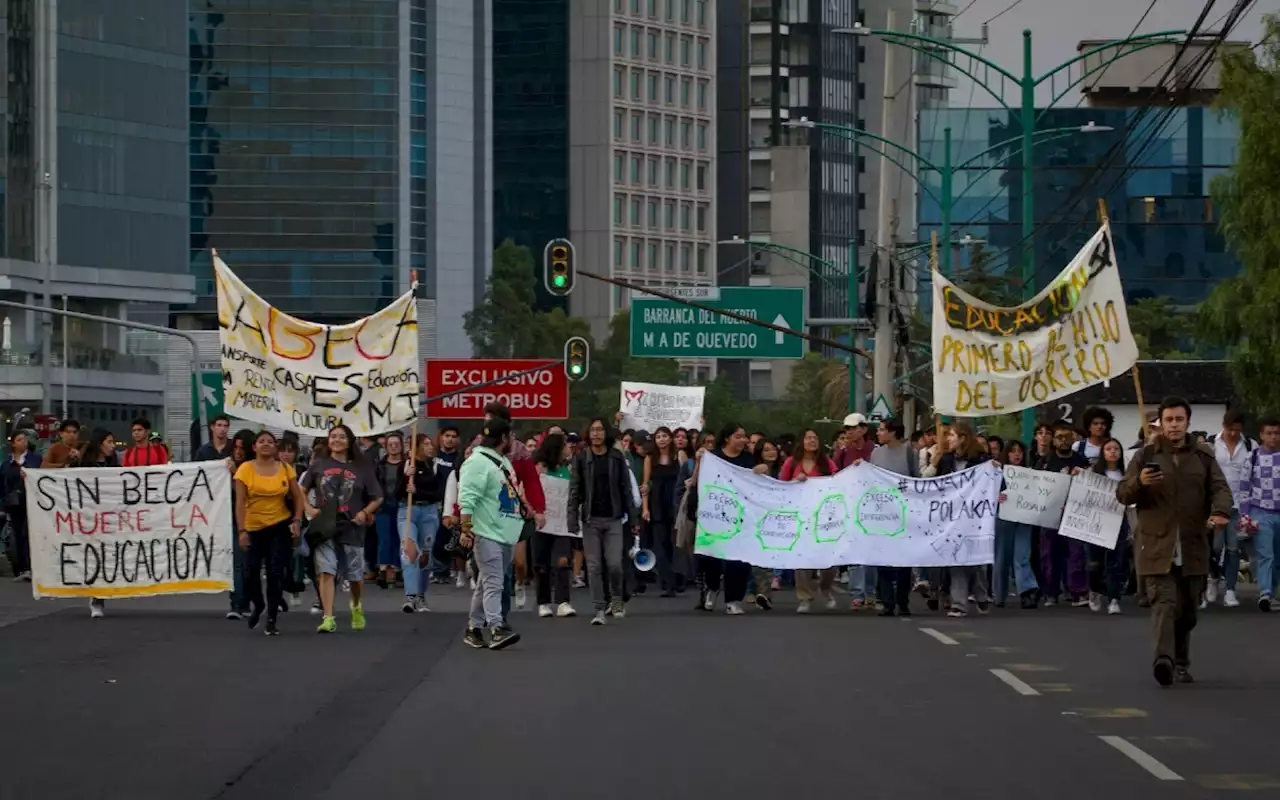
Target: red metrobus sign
(539, 395)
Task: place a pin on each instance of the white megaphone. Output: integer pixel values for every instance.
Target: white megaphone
(643, 559)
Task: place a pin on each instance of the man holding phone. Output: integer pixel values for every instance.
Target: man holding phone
(1182, 497)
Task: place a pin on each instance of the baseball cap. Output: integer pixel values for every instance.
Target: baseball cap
(854, 420)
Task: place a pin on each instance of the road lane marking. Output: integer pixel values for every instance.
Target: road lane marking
(1031, 668)
(1141, 758)
(939, 635)
(1110, 713)
(1237, 782)
(1054, 688)
(1002, 649)
(1017, 684)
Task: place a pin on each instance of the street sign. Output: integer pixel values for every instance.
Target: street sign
(206, 388)
(880, 410)
(539, 395)
(665, 329)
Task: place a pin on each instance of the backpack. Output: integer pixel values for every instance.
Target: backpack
(1248, 443)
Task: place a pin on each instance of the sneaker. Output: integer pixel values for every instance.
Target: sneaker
(750, 598)
(709, 602)
(618, 609)
(854, 605)
(1211, 590)
(566, 610)
(904, 611)
(1080, 602)
(472, 584)
(734, 609)
(831, 602)
(844, 578)
(1050, 602)
(357, 616)
(1229, 599)
(804, 607)
(474, 637)
(316, 608)
(522, 596)
(420, 605)
(255, 617)
(1264, 603)
(97, 609)
(957, 612)
(1162, 671)
(327, 625)
(1114, 607)
(408, 605)
(1095, 602)
(235, 615)
(598, 619)
(502, 637)
(271, 629)
(763, 602)
(24, 576)
(579, 582)
(984, 608)
(1183, 675)
(546, 610)
(460, 582)
(1204, 603)
(776, 584)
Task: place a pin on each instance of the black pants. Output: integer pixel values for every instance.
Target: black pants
(551, 578)
(663, 539)
(736, 574)
(269, 545)
(893, 587)
(21, 545)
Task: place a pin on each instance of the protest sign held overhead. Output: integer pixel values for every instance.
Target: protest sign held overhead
(1075, 333)
(1092, 513)
(860, 515)
(301, 376)
(130, 532)
(649, 406)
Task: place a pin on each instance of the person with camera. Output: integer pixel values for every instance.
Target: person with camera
(491, 515)
(1182, 497)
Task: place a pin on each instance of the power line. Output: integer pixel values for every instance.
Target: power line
(1007, 9)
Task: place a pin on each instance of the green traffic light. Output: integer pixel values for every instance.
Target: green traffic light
(559, 281)
(576, 369)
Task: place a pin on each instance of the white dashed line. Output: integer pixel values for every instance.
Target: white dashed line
(1017, 684)
(939, 635)
(1141, 758)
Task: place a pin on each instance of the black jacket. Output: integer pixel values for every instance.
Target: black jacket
(427, 487)
(947, 463)
(582, 483)
(11, 483)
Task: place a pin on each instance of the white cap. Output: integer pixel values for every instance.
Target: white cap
(854, 420)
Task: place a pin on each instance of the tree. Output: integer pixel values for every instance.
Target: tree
(504, 323)
(1243, 313)
(1002, 290)
(1159, 327)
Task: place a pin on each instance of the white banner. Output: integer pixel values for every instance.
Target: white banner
(649, 406)
(1034, 496)
(130, 532)
(861, 515)
(1093, 514)
(556, 491)
(301, 376)
(991, 360)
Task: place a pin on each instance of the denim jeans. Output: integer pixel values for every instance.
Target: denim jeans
(1264, 547)
(493, 559)
(1225, 563)
(1013, 556)
(387, 522)
(862, 583)
(423, 524)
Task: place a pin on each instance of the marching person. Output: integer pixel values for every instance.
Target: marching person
(658, 509)
(964, 451)
(144, 452)
(14, 491)
(1014, 547)
(66, 451)
(1109, 569)
(100, 451)
(265, 487)
(553, 553)
(1181, 494)
(810, 462)
(1063, 560)
(894, 455)
(390, 473)
(418, 527)
(600, 499)
(1234, 452)
(732, 444)
(1260, 510)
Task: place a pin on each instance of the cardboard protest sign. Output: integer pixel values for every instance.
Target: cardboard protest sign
(1075, 333)
(302, 376)
(1034, 496)
(1092, 513)
(649, 406)
(107, 532)
(556, 491)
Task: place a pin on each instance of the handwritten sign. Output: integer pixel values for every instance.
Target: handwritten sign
(556, 490)
(1092, 513)
(1033, 496)
(130, 532)
(862, 515)
(302, 376)
(1074, 334)
(649, 406)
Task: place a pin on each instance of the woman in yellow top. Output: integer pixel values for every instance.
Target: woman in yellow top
(269, 506)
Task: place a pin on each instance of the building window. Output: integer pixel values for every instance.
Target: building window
(618, 203)
(653, 129)
(619, 40)
(617, 167)
(669, 128)
(702, 177)
(653, 9)
(617, 124)
(684, 175)
(637, 208)
(686, 134)
(686, 258)
(617, 83)
(653, 45)
(669, 89)
(862, 91)
(862, 238)
(685, 84)
(862, 164)
(653, 87)
(862, 200)
(702, 259)
(635, 126)
(671, 10)
(635, 42)
(619, 250)
(862, 54)
(653, 213)
(671, 173)
(636, 253)
(684, 51)
(669, 215)
(700, 16)
(653, 256)
(637, 169)
(635, 7)
(670, 262)
(635, 85)
(669, 48)
(702, 95)
(761, 387)
(653, 171)
(702, 136)
(700, 217)
(702, 53)
(684, 218)
(685, 15)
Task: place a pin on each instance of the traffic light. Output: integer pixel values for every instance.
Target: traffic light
(558, 267)
(577, 359)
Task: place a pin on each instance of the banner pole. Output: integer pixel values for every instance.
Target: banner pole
(413, 453)
(933, 268)
(1104, 219)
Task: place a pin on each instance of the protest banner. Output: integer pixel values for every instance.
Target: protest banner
(302, 376)
(556, 491)
(108, 532)
(1033, 496)
(1074, 334)
(1092, 513)
(649, 406)
(861, 515)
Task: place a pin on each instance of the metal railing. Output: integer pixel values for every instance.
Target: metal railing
(79, 357)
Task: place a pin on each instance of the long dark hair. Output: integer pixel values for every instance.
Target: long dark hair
(246, 437)
(93, 450)
(1014, 444)
(1100, 466)
(655, 452)
(820, 459)
(776, 465)
(550, 453)
(726, 432)
(354, 455)
(609, 439)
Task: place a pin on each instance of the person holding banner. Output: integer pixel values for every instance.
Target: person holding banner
(100, 451)
(14, 491)
(810, 462)
(420, 523)
(1063, 561)
(893, 585)
(1109, 569)
(732, 444)
(553, 550)
(963, 452)
(1013, 547)
(266, 528)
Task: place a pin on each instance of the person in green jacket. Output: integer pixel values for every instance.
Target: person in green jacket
(493, 513)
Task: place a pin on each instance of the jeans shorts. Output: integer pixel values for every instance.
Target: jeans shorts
(327, 558)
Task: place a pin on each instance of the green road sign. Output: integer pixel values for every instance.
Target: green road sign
(664, 329)
(206, 387)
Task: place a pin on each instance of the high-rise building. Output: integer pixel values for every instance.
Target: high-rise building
(93, 182)
(338, 145)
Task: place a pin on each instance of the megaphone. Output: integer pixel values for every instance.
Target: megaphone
(643, 560)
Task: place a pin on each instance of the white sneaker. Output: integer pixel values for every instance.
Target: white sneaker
(1211, 590)
(522, 596)
(96, 610)
(1229, 599)
(619, 611)
(1095, 602)
(566, 610)
(734, 609)
(831, 602)
(710, 602)
(546, 610)
(804, 607)
(579, 582)
(473, 584)
(1204, 603)
(408, 606)
(25, 575)
(420, 605)
(460, 582)
(1114, 607)
(598, 619)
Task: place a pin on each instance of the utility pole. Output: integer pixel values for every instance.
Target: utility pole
(882, 369)
(46, 141)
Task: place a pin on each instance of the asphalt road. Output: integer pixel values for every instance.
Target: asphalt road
(164, 699)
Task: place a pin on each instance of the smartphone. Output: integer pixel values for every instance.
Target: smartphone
(1153, 466)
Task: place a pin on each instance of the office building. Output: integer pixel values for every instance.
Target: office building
(336, 147)
(93, 183)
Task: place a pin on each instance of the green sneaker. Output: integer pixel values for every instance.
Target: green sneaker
(357, 616)
(327, 625)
